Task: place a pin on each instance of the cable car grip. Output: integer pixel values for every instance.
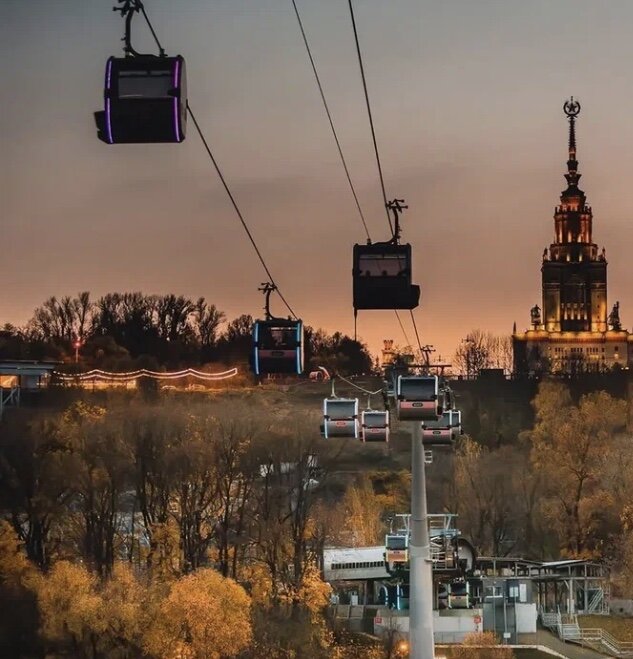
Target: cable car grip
(127, 10)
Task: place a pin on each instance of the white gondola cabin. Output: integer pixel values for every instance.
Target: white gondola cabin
(375, 426)
(278, 346)
(417, 398)
(396, 548)
(340, 417)
(145, 100)
(439, 432)
(456, 423)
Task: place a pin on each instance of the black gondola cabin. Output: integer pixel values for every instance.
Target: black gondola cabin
(382, 277)
(145, 100)
(278, 346)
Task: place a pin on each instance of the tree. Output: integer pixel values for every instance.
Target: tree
(570, 445)
(207, 319)
(338, 353)
(363, 523)
(18, 578)
(486, 498)
(481, 645)
(473, 353)
(71, 609)
(124, 611)
(204, 616)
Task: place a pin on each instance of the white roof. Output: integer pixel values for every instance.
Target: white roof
(353, 554)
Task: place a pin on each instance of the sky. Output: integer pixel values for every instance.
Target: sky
(467, 102)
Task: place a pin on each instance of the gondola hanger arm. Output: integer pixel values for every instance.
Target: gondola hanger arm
(127, 10)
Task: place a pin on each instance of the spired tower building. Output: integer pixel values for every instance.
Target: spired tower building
(573, 332)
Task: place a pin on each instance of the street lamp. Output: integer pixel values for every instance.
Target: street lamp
(77, 344)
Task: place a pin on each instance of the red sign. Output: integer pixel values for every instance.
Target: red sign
(477, 620)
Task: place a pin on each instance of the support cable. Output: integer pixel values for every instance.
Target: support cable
(406, 338)
(329, 116)
(340, 150)
(151, 29)
(382, 181)
(371, 120)
(365, 391)
(417, 336)
(236, 207)
(223, 180)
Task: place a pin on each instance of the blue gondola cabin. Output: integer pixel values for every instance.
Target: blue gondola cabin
(278, 346)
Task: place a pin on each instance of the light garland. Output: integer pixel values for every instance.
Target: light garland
(98, 374)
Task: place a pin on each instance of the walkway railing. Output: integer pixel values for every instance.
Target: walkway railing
(593, 637)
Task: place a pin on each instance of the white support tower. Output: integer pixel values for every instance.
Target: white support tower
(421, 579)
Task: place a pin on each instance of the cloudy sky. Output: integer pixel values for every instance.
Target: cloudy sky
(467, 100)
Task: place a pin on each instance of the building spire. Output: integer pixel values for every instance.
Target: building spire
(572, 110)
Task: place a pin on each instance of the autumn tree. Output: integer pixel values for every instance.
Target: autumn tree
(18, 578)
(71, 608)
(570, 445)
(363, 523)
(204, 616)
(486, 498)
(481, 645)
(34, 485)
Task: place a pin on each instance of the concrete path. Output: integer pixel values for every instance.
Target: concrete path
(569, 650)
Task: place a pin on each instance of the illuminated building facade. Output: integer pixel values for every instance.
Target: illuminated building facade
(573, 332)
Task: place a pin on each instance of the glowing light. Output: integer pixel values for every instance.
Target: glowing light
(98, 374)
(108, 110)
(177, 100)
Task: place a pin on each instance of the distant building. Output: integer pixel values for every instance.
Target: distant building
(391, 354)
(572, 333)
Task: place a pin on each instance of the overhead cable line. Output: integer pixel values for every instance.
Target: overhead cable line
(371, 120)
(406, 338)
(366, 391)
(151, 29)
(223, 180)
(417, 336)
(373, 135)
(237, 209)
(329, 116)
(338, 145)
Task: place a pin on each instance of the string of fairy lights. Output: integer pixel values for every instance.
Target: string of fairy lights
(129, 376)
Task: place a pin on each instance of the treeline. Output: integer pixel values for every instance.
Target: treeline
(147, 529)
(120, 331)
(560, 489)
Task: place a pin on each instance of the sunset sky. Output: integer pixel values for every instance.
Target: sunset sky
(467, 100)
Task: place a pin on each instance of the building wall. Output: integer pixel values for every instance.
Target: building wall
(564, 352)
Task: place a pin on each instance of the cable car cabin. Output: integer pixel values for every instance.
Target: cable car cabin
(459, 595)
(396, 548)
(417, 398)
(278, 346)
(145, 100)
(340, 417)
(456, 423)
(374, 426)
(439, 432)
(382, 277)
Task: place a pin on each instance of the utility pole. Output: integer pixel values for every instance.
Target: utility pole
(421, 579)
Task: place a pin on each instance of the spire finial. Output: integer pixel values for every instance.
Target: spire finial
(572, 109)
